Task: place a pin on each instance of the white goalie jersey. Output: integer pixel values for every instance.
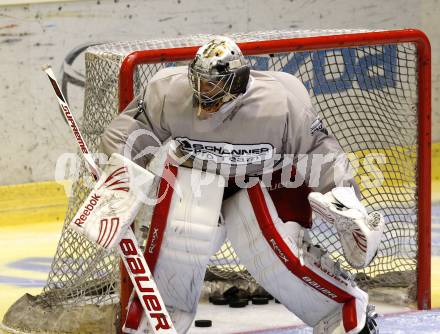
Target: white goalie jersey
(272, 122)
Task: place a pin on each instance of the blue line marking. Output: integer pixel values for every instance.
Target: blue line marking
(22, 282)
(38, 264)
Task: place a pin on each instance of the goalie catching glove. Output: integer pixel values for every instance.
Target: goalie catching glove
(359, 232)
(113, 203)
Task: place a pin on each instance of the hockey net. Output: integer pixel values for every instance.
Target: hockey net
(372, 89)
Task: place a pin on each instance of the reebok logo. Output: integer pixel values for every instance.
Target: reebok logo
(87, 210)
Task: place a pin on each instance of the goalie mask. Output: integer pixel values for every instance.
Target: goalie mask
(218, 74)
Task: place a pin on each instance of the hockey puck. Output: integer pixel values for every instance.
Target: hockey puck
(260, 300)
(218, 300)
(203, 323)
(232, 292)
(238, 303)
(260, 292)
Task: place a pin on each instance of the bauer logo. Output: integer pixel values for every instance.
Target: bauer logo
(233, 154)
(87, 210)
(318, 287)
(146, 289)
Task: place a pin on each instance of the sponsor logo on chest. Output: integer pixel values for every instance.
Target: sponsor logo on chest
(222, 152)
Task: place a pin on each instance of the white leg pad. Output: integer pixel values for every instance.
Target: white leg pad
(283, 263)
(192, 235)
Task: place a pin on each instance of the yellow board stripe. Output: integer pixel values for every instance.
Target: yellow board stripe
(32, 203)
(435, 161)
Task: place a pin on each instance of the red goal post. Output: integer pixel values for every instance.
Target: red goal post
(416, 37)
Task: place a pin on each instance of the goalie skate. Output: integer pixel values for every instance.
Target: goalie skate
(370, 324)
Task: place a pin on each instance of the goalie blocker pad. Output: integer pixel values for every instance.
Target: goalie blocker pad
(114, 202)
(185, 232)
(298, 274)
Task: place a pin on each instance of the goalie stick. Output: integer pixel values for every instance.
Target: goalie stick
(129, 250)
(90, 163)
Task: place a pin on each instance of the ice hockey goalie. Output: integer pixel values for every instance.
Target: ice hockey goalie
(243, 155)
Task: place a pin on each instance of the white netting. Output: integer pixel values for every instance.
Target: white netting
(367, 97)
